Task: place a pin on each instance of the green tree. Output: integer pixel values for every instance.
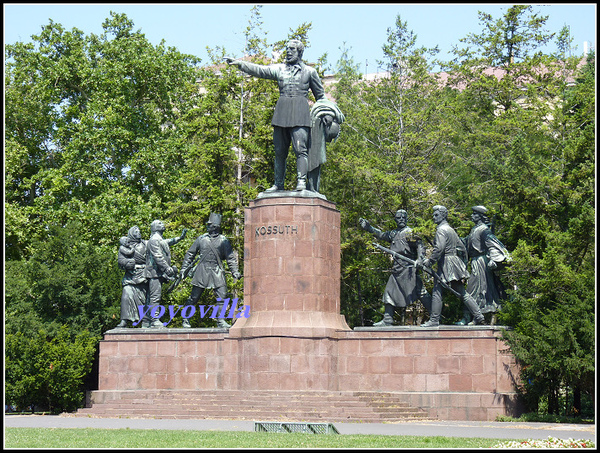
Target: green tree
(393, 130)
(93, 145)
(47, 374)
(89, 127)
(517, 144)
(556, 295)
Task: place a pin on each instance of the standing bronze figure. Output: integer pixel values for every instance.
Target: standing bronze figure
(486, 253)
(158, 269)
(132, 259)
(212, 248)
(451, 268)
(291, 119)
(404, 285)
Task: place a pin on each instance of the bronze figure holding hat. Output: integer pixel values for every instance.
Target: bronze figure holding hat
(291, 119)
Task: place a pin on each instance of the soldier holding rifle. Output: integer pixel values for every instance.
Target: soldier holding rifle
(404, 285)
(451, 269)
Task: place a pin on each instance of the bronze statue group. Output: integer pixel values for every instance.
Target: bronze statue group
(147, 265)
(483, 292)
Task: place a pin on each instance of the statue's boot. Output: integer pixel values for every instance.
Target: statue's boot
(434, 307)
(274, 188)
(186, 323)
(279, 176)
(434, 320)
(466, 319)
(388, 317)
(156, 323)
(301, 185)
(221, 323)
(473, 307)
(302, 165)
(123, 323)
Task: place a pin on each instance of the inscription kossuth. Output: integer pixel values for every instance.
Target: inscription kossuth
(267, 230)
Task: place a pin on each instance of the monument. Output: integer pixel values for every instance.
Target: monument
(294, 356)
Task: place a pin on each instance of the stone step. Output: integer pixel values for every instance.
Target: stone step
(202, 395)
(166, 408)
(276, 405)
(341, 405)
(264, 414)
(218, 400)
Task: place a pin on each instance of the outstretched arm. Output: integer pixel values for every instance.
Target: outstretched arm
(256, 70)
(365, 225)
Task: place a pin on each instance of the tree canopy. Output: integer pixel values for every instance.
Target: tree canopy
(106, 132)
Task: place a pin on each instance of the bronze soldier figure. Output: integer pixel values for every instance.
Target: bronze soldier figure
(158, 269)
(404, 285)
(212, 249)
(451, 269)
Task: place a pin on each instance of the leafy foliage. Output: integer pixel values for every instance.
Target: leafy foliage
(91, 150)
(48, 374)
(106, 132)
(520, 144)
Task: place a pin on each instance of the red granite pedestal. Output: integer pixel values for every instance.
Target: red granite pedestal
(291, 269)
(292, 284)
(296, 342)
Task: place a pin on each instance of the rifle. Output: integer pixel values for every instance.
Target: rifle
(414, 263)
(181, 276)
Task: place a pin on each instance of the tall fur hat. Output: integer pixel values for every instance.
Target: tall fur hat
(214, 218)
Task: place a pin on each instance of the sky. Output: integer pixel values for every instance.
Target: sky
(361, 28)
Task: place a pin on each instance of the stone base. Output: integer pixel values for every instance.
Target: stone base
(289, 324)
(291, 194)
(292, 267)
(451, 372)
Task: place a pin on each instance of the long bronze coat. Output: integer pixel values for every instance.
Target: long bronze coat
(404, 285)
(447, 248)
(294, 81)
(211, 251)
(484, 285)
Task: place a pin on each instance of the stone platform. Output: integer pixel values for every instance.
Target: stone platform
(449, 373)
(295, 356)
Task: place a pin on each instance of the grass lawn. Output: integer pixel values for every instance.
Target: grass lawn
(146, 438)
